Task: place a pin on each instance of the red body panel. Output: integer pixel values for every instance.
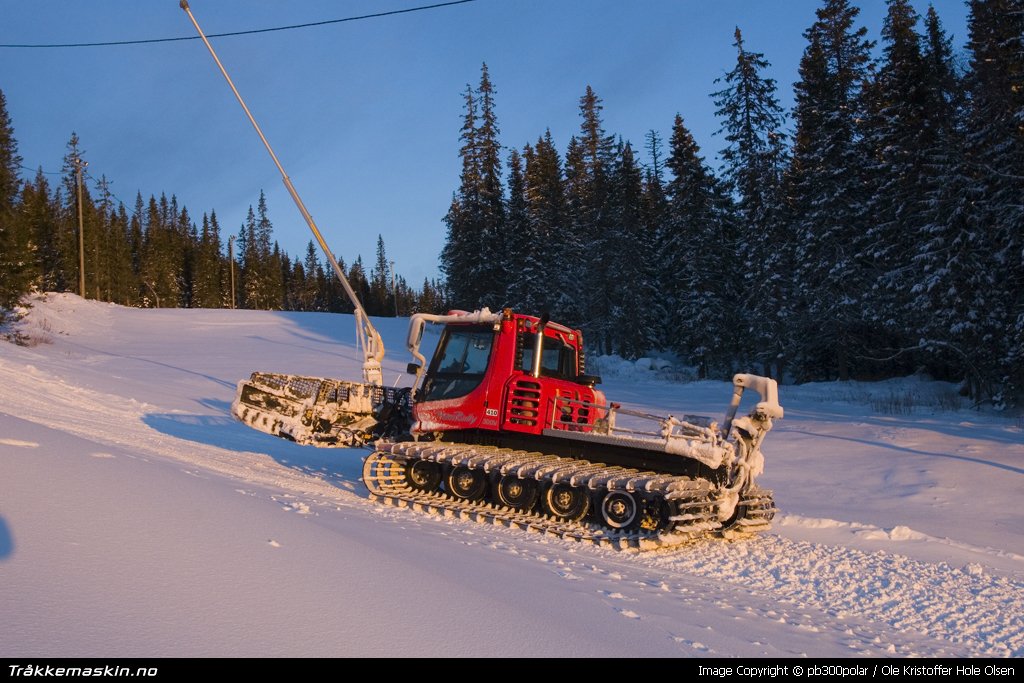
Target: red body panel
(510, 398)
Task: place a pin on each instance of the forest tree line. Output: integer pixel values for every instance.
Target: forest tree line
(875, 230)
(156, 254)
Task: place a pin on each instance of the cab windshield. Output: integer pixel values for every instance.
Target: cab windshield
(460, 362)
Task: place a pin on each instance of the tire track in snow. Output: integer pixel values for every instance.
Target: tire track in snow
(963, 605)
(742, 620)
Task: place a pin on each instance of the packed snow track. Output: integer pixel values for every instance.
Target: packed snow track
(138, 518)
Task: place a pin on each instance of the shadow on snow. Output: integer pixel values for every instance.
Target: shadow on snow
(907, 449)
(6, 540)
(341, 467)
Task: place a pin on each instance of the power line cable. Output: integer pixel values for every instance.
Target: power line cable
(108, 190)
(86, 174)
(245, 33)
(40, 169)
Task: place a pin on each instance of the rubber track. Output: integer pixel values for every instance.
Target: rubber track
(384, 477)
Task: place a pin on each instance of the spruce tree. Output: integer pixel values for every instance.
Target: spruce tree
(655, 219)
(752, 121)
(699, 247)
(463, 247)
(631, 243)
(754, 161)
(118, 276)
(10, 161)
(899, 132)
(261, 272)
(311, 294)
(523, 247)
(101, 243)
(219, 278)
(269, 258)
(570, 300)
(360, 285)
(943, 83)
(654, 146)
(294, 276)
(279, 274)
(972, 263)
(209, 288)
(136, 240)
(475, 255)
(123, 283)
(15, 255)
(380, 301)
(996, 141)
(592, 222)
(828, 194)
(251, 287)
(188, 240)
(41, 221)
(547, 279)
(490, 269)
(161, 255)
(431, 298)
(405, 297)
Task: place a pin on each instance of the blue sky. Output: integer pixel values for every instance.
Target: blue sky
(365, 115)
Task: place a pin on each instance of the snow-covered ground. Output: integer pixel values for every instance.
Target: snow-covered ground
(137, 518)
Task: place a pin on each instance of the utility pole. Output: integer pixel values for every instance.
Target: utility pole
(231, 259)
(79, 164)
(394, 292)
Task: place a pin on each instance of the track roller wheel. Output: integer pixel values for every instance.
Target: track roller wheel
(567, 502)
(423, 476)
(620, 510)
(654, 515)
(734, 520)
(465, 483)
(521, 494)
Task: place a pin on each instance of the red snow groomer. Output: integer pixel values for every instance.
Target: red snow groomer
(504, 425)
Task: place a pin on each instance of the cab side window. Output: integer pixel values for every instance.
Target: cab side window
(557, 359)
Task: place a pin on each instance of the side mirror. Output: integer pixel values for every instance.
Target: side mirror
(589, 380)
(412, 369)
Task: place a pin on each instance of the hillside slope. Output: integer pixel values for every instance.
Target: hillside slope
(138, 518)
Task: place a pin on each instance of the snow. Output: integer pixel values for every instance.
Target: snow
(138, 518)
